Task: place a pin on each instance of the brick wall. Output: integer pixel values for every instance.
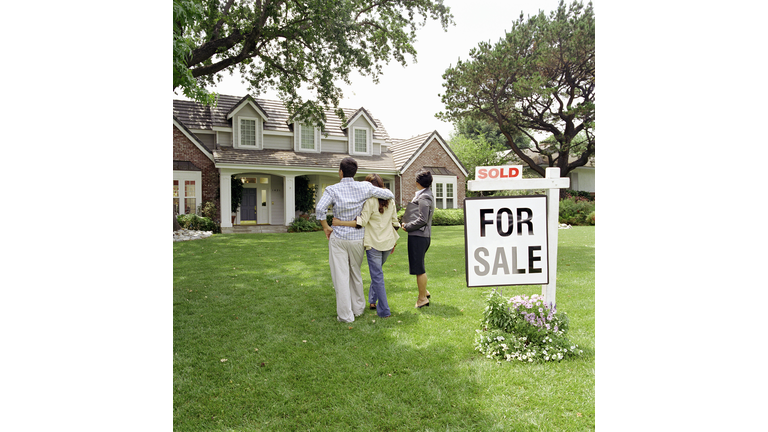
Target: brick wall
(185, 150)
(433, 156)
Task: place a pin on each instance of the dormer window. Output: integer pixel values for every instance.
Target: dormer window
(248, 119)
(360, 128)
(248, 131)
(361, 141)
(306, 137)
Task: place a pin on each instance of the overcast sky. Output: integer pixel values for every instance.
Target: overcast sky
(407, 98)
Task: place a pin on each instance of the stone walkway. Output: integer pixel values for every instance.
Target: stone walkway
(184, 235)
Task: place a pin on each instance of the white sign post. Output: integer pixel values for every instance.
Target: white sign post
(497, 231)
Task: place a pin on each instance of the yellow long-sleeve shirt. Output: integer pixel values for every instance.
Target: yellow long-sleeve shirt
(379, 227)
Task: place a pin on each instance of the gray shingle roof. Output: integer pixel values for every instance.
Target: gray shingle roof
(403, 149)
(197, 116)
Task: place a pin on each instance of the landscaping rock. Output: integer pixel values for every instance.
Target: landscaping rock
(184, 235)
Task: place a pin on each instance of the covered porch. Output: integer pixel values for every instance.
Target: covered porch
(268, 197)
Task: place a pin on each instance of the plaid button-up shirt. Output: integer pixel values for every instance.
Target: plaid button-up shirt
(347, 198)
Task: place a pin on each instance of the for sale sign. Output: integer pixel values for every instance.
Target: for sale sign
(506, 241)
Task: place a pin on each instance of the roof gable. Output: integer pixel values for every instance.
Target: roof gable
(407, 151)
(195, 140)
(247, 101)
(362, 112)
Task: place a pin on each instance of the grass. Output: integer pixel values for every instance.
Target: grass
(257, 346)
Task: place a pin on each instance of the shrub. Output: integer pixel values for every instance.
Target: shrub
(441, 216)
(300, 224)
(523, 329)
(448, 217)
(208, 209)
(198, 223)
(570, 193)
(576, 211)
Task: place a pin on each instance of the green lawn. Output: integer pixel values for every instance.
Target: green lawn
(257, 346)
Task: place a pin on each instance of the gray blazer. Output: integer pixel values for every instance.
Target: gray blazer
(417, 220)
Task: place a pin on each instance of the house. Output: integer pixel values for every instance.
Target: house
(255, 141)
(430, 151)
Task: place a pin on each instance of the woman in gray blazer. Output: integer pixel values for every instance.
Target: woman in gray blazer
(417, 221)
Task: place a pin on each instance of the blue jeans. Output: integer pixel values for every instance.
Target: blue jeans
(377, 294)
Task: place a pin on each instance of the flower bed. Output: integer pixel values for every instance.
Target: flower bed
(525, 329)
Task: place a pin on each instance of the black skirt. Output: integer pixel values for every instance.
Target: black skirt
(417, 248)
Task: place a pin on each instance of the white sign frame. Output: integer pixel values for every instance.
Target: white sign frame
(552, 183)
(506, 241)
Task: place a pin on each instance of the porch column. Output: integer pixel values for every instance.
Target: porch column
(290, 198)
(225, 198)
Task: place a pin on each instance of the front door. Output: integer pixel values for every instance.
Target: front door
(249, 205)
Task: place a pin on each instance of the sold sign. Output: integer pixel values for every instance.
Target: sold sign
(499, 172)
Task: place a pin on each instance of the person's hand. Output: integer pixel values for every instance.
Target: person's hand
(328, 232)
(337, 222)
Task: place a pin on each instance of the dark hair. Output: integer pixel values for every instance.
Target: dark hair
(424, 178)
(348, 167)
(375, 180)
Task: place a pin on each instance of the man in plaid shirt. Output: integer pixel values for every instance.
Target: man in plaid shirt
(345, 244)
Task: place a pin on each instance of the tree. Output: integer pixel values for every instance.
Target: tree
(473, 128)
(539, 78)
(282, 45)
(477, 151)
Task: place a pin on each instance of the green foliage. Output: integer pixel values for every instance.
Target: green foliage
(474, 151)
(305, 195)
(301, 224)
(524, 329)
(444, 217)
(285, 45)
(194, 222)
(237, 193)
(570, 193)
(473, 128)
(185, 14)
(208, 209)
(577, 211)
(539, 78)
(441, 217)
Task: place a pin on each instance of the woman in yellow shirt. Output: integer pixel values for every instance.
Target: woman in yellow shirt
(379, 219)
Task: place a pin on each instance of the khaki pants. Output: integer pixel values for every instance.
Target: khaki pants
(345, 258)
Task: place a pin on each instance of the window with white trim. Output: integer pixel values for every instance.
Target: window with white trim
(306, 137)
(187, 193)
(248, 132)
(361, 141)
(444, 191)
